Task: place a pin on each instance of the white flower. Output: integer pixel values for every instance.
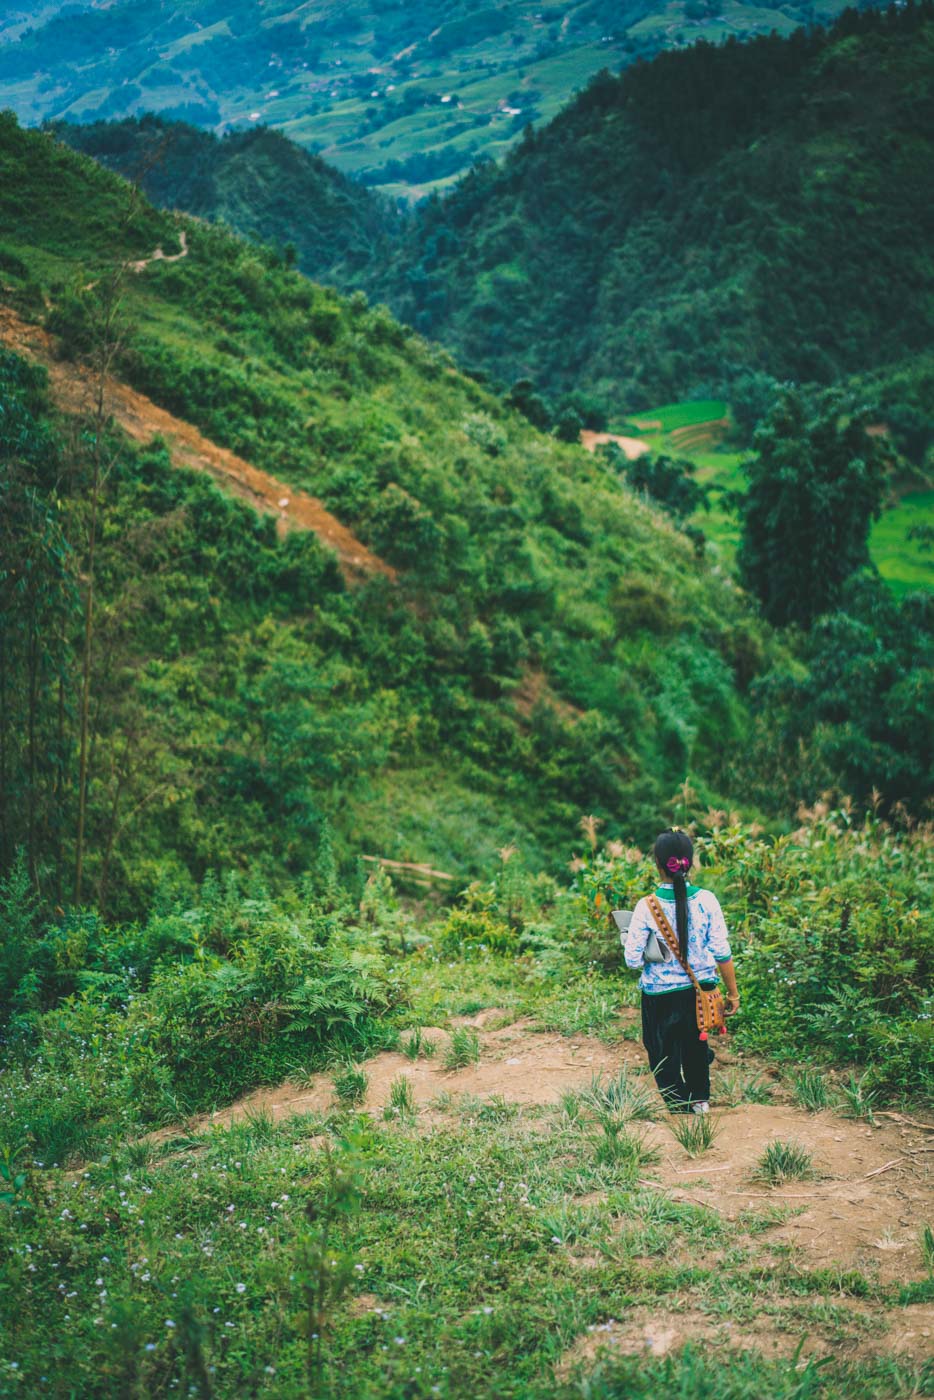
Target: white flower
(169, 1322)
(241, 1287)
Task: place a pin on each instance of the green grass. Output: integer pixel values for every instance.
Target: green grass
(350, 1084)
(784, 1161)
(905, 564)
(682, 415)
(418, 1046)
(401, 1102)
(858, 1096)
(811, 1090)
(459, 1248)
(462, 1049)
(620, 1095)
(696, 1132)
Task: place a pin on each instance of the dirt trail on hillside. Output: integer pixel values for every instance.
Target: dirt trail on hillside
(872, 1190)
(159, 256)
(632, 447)
(73, 388)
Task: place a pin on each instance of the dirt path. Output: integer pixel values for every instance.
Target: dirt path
(159, 256)
(632, 447)
(873, 1184)
(141, 419)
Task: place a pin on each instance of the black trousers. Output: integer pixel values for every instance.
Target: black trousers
(678, 1059)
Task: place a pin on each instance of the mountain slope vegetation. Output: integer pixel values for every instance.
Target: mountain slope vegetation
(553, 645)
(769, 228)
(718, 211)
(402, 94)
(260, 184)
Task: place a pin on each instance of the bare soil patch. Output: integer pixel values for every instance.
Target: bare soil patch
(871, 1192)
(523, 1066)
(856, 1330)
(73, 389)
(630, 446)
(863, 1209)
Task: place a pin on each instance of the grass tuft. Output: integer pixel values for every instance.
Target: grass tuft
(696, 1132)
(619, 1096)
(617, 1147)
(351, 1084)
(858, 1098)
(463, 1048)
(810, 1090)
(401, 1100)
(927, 1248)
(735, 1088)
(418, 1045)
(784, 1161)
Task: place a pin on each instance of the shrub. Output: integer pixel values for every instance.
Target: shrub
(471, 931)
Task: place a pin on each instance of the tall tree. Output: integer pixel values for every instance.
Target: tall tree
(815, 485)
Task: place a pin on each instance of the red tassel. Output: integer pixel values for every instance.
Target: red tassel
(702, 1036)
(723, 1030)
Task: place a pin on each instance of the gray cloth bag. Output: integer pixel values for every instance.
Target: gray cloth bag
(656, 949)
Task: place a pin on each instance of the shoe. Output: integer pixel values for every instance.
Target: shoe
(701, 1107)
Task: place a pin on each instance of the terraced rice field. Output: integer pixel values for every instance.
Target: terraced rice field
(699, 431)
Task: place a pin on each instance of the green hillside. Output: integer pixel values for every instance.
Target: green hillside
(404, 95)
(716, 212)
(260, 184)
(552, 646)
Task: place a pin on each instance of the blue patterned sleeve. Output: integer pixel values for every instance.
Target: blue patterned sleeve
(718, 940)
(638, 934)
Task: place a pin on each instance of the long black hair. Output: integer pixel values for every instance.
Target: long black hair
(674, 854)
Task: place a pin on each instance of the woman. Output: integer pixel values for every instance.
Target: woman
(680, 1060)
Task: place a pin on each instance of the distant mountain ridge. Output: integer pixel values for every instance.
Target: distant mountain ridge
(715, 213)
(401, 93)
(755, 207)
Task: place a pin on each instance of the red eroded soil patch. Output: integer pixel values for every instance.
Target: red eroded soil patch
(73, 390)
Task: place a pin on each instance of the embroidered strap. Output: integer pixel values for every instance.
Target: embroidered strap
(670, 937)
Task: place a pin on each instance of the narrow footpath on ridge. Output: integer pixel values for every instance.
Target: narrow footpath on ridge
(73, 388)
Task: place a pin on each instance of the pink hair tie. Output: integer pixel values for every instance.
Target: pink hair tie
(677, 865)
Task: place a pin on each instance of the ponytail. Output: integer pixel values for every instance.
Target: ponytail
(674, 855)
(681, 912)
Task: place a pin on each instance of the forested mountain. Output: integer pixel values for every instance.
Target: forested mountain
(550, 644)
(258, 182)
(750, 209)
(759, 206)
(400, 92)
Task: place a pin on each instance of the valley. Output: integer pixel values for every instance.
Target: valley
(404, 96)
(393, 592)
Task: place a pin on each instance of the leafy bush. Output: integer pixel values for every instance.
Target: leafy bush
(186, 1011)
